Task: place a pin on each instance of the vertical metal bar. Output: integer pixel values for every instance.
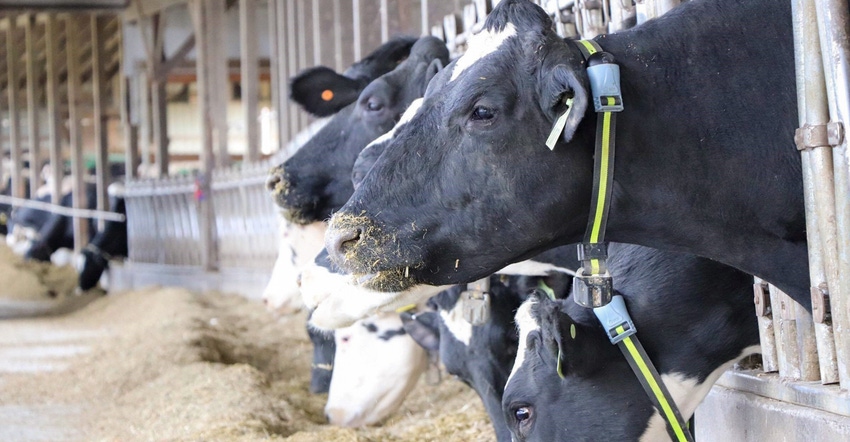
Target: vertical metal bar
(33, 136)
(74, 117)
(355, 16)
(292, 61)
(131, 132)
(425, 24)
(216, 68)
(385, 21)
(317, 33)
(51, 39)
(817, 178)
(337, 35)
(159, 107)
(301, 11)
(274, 69)
(767, 333)
(101, 140)
(249, 78)
(833, 21)
(785, 327)
(283, 112)
(15, 150)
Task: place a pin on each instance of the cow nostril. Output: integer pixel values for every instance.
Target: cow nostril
(274, 182)
(345, 240)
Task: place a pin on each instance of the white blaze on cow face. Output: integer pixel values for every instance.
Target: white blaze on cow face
(481, 45)
(405, 118)
(297, 246)
(687, 393)
(458, 326)
(525, 324)
(338, 302)
(375, 367)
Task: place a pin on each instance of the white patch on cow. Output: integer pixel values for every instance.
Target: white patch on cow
(525, 324)
(116, 189)
(687, 393)
(405, 118)
(530, 267)
(297, 247)
(481, 45)
(372, 376)
(458, 326)
(338, 302)
(20, 239)
(62, 257)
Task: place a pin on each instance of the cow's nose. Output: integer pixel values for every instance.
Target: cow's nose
(274, 182)
(341, 240)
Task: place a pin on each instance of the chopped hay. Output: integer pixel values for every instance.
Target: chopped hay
(173, 365)
(31, 280)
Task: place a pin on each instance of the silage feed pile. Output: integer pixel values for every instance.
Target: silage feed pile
(33, 281)
(170, 365)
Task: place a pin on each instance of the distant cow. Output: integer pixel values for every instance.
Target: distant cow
(704, 151)
(109, 243)
(297, 246)
(693, 317)
(316, 181)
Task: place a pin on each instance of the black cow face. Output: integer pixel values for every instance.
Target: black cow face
(597, 397)
(321, 369)
(315, 182)
(463, 177)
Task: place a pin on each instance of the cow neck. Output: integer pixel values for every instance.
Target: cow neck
(593, 283)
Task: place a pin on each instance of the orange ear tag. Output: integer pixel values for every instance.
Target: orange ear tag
(327, 95)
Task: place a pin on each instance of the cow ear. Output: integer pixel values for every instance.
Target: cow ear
(433, 69)
(558, 85)
(424, 328)
(574, 345)
(322, 92)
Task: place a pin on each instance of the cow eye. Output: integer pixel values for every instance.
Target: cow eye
(482, 113)
(524, 417)
(522, 414)
(374, 105)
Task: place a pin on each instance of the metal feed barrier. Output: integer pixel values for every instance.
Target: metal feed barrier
(806, 360)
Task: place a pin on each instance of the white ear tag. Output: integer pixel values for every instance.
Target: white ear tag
(558, 128)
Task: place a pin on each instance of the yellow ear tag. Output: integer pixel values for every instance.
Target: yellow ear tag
(558, 128)
(327, 95)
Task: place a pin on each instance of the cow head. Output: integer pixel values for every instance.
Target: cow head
(111, 242)
(315, 181)
(468, 185)
(297, 244)
(322, 367)
(375, 367)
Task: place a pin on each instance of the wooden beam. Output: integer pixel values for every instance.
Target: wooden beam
(176, 59)
(206, 214)
(15, 150)
(101, 135)
(159, 106)
(53, 122)
(250, 82)
(74, 116)
(33, 135)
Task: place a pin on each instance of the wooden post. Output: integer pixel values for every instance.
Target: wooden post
(284, 112)
(131, 132)
(355, 15)
(74, 116)
(101, 140)
(317, 34)
(385, 21)
(426, 26)
(206, 215)
(249, 78)
(16, 153)
(144, 107)
(51, 41)
(159, 112)
(303, 33)
(33, 136)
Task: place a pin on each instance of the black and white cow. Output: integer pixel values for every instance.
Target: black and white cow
(693, 316)
(704, 151)
(479, 355)
(107, 244)
(316, 181)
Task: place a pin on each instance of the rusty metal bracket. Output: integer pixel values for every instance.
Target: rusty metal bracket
(811, 136)
(821, 310)
(762, 299)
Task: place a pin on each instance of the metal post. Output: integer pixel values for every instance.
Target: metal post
(426, 26)
(15, 150)
(284, 111)
(337, 35)
(303, 24)
(101, 140)
(74, 116)
(143, 84)
(817, 182)
(385, 21)
(33, 136)
(355, 15)
(249, 78)
(317, 33)
(833, 21)
(292, 62)
(51, 41)
(159, 107)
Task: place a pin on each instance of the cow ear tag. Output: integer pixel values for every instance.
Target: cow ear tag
(560, 123)
(475, 302)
